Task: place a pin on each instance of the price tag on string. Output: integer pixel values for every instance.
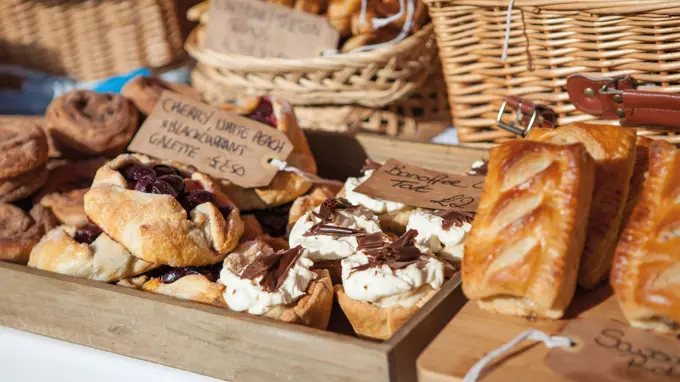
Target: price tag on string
(261, 29)
(217, 142)
(419, 187)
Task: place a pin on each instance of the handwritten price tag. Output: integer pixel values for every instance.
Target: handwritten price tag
(419, 187)
(220, 143)
(260, 29)
(610, 351)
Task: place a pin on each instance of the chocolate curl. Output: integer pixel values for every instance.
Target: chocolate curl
(396, 255)
(455, 218)
(321, 229)
(372, 241)
(274, 266)
(328, 209)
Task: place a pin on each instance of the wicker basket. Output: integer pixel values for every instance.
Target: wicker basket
(549, 40)
(419, 116)
(373, 79)
(89, 39)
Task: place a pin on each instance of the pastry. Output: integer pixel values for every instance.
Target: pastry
(647, 263)
(309, 202)
(163, 213)
(441, 232)
(340, 14)
(393, 215)
(637, 180)
(23, 148)
(613, 149)
(277, 284)
(188, 283)
(287, 3)
(385, 283)
(20, 231)
(22, 186)
(330, 233)
(134, 282)
(85, 252)
(67, 184)
(144, 92)
(85, 123)
(286, 186)
(522, 253)
(252, 228)
(311, 6)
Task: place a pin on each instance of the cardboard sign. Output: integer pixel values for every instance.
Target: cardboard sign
(419, 187)
(220, 143)
(261, 29)
(610, 351)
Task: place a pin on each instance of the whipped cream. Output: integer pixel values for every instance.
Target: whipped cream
(433, 239)
(377, 206)
(385, 287)
(333, 247)
(242, 294)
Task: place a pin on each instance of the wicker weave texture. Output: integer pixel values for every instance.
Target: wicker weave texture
(549, 40)
(89, 39)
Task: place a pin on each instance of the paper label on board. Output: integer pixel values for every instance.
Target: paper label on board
(260, 29)
(419, 187)
(220, 143)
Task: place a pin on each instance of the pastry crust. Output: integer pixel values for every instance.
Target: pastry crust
(613, 149)
(156, 228)
(637, 180)
(286, 186)
(523, 250)
(372, 321)
(191, 287)
(396, 221)
(19, 231)
(311, 6)
(22, 186)
(85, 123)
(23, 147)
(645, 274)
(102, 260)
(307, 203)
(145, 91)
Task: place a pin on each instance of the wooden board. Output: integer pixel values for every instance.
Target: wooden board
(472, 333)
(229, 345)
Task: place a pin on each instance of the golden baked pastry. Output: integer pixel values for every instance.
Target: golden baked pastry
(22, 186)
(286, 186)
(134, 282)
(277, 284)
(637, 180)
(86, 253)
(311, 6)
(23, 147)
(523, 250)
(85, 123)
(645, 274)
(163, 214)
(145, 91)
(613, 149)
(193, 284)
(20, 231)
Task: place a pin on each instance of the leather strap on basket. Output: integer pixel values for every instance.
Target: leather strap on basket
(528, 115)
(618, 98)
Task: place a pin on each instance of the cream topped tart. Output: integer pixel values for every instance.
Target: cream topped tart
(441, 232)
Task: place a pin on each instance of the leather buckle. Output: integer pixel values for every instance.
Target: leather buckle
(527, 115)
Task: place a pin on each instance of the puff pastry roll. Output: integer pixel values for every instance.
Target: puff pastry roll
(523, 250)
(613, 149)
(637, 180)
(646, 271)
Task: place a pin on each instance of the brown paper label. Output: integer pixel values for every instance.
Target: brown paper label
(609, 351)
(419, 187)
(260, 29)
(220, 143)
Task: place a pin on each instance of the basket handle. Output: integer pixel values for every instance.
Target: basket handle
(528, 115)
(618, 98)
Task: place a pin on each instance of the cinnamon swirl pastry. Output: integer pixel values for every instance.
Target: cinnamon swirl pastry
(20, 231)
(85, 123)
(22, 186)
(23, 147)
(145, 91)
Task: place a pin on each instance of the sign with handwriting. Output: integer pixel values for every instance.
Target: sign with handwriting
(261, 29)
(217, 142)
(610, 351)
(419, 187)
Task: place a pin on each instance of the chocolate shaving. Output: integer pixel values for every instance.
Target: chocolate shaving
(396, 255)
(454, 218)
(321, 229)
(372, 241)
(328, 209)
(370, 165)
(274, 267)
(482, 170)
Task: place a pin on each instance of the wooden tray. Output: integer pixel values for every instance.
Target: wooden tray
(229, 345)
(472, 333)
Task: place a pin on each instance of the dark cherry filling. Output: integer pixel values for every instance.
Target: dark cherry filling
(166, 180)
(274, 221)
(87, 235)
(211, 272)
(264, 112)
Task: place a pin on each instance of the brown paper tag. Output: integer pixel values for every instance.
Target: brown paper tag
(260, 29)
(220, 143)
(419, 187)
(609, 351)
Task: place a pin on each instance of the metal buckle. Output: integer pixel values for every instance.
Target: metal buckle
(513, 128)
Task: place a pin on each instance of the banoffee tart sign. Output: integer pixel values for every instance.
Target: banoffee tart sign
(419, 187)
(261, 29)
(610, 351)
(220, 143)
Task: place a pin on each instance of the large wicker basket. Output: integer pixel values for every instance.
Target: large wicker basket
(549, 40)
(89, 39)
(372, 79)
